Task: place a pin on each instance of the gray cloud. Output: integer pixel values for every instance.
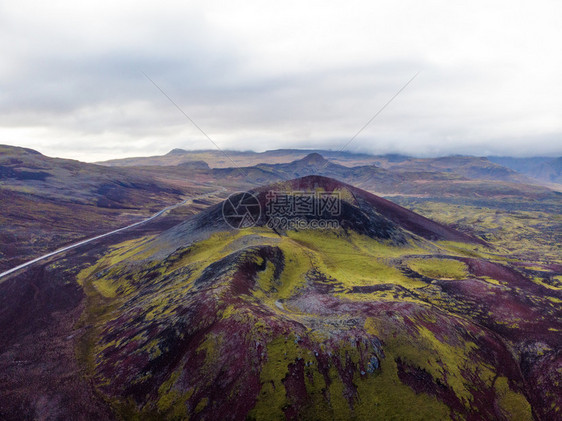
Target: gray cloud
(261, 75)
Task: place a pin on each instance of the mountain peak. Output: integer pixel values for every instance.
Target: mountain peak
(177, 151)
(358, 211)
(314, 159)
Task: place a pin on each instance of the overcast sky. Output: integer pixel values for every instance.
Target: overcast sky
(275, 74)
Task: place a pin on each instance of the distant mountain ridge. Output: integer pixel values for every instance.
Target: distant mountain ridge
(472, 177)
(541, 168)
(522, 170)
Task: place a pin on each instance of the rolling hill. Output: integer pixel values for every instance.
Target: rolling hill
(47, 202)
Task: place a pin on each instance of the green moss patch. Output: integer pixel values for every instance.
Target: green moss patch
(439, 268)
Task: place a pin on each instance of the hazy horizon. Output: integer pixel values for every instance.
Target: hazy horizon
(311, 150)
(254, 75)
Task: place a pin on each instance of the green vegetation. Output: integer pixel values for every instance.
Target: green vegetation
(133, 292)
(381, 395)
(511, 402)
(354, 260)
(439, 268)
(526, 235)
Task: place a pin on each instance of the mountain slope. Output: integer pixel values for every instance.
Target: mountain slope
(47, 202)
(390, 316)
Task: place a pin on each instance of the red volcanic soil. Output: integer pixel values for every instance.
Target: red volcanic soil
(40, 377)
(528, 321)
(218, 353)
